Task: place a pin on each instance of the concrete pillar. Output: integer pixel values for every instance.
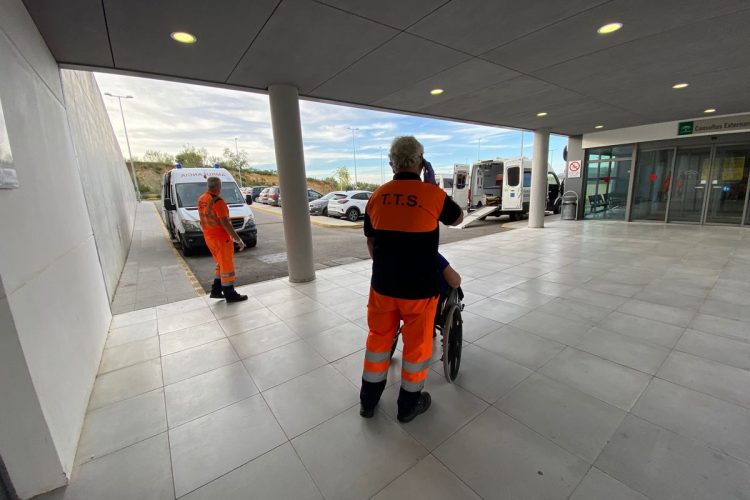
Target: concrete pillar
(538, 199)
(290, 162)
(575, 152)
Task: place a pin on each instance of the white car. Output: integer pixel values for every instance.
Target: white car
(352, 206)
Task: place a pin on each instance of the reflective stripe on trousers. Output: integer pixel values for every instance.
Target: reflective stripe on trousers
(384, 314)
(222, 251)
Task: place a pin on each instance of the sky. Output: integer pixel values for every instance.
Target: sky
(165, 116)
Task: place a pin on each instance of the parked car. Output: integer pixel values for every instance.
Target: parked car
(255, 191)
(273, 196)
(352, 205)
(320, 206)
(313, 195)
(263, 196)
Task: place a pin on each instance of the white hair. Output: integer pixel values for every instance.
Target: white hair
(213, 183)
(406, 152)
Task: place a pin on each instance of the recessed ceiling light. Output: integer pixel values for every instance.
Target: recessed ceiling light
(183, 37)
(436, 91)
(710, 110)
(609, 28)
(543, 113)
(599, 126)
(679, 85)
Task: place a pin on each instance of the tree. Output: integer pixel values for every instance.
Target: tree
(153, 156)
(236, 159)
(213, 160)
(343, 178)
(190, 156)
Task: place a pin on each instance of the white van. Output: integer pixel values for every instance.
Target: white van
(445, 182)
(180, 190)
(482, 186)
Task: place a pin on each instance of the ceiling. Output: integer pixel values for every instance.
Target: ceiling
(499, 61)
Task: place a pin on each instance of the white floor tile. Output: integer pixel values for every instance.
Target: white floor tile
(131, 333)
(636, 327)
(624, 350)
(197, 360)
(721, 349)
(719, 380)
(665, 314)
(662, 464)
(487, 375)
(277, 474)
(306, 401)
(520, 346)
(125, 383)
(561, 330)
(598, 485)
(727, 327)
(206, 393)
(428, 479)
(129, 354)
(312, 323)
(121, 424)
(340, 451)
(248, 321)
(475, 326)
(501, 458)
(262, 339)
(497, 310)
(133, 317)
(176, 322)
(612, 383)
(574, 420)
(276, 366)
(339, 341)
(211, 446)
(190, 337)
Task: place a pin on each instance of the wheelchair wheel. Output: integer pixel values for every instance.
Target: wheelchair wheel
(452, 342)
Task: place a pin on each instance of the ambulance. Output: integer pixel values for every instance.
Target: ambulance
(180, 190)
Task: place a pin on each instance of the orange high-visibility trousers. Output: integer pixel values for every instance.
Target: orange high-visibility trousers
(383, 316)
(222, 250)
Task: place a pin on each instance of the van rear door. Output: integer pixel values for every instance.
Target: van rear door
(461, 185)
(512, 187)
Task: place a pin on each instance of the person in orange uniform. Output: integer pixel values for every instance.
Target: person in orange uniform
(220, 235)
(402, 230)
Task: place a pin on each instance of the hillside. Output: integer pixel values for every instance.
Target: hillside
(149, 179)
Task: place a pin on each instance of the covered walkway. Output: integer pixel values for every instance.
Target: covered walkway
(603, 360)
(154, 273)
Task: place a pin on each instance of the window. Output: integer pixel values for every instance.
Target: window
(447, 183)
(188, 193)
(606, 182)
(360, 196)
(527, 179)
(552, 179)
(461, 180)
(514, 176)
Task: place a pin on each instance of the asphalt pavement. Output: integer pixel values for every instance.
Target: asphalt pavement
(331, 247)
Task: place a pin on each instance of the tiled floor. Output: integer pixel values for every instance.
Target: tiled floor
(604, 360)
(152, 275)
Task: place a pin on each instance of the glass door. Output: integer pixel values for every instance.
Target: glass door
(729, 182)
(653, 178)
(689, 186)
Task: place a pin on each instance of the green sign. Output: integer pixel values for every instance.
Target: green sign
(685, 128)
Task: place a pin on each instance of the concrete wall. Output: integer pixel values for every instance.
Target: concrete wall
(107, 186)
(53, 281)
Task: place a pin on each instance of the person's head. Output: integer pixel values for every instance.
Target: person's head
(406, 155)
(214, 185)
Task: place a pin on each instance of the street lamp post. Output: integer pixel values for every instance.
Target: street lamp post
(479, 144)
(239, 165)
(354, 153)
(127, 141)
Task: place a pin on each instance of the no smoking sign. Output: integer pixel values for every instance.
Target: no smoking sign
(574, 168)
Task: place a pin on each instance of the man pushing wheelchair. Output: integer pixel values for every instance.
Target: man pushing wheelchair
(402, 229)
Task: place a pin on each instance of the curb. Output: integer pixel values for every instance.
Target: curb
(312, 221)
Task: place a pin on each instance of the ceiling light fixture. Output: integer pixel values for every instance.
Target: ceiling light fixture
(183, 37)
(710, 110)
(436, 91)
(609, 28)
(543, 113)
(679, 85)
(599, 126)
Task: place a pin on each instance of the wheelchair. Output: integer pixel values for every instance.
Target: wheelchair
(450, 325)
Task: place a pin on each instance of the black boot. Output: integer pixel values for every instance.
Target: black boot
(232, 296)
(420, 406)
(216, 292)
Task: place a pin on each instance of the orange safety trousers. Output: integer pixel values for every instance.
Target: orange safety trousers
(222, 250)
(383, 317)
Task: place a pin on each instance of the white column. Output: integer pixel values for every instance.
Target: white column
(290, 163)
(538, 201)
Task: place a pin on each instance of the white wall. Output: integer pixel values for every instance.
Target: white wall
(49, 264)
(644, 133)
(107, 186)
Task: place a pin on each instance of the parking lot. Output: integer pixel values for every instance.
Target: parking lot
(332, 247)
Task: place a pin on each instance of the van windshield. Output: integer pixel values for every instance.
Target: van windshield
(188, 193)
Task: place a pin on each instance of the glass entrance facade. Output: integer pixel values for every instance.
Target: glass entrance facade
(673, 181)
